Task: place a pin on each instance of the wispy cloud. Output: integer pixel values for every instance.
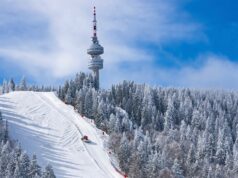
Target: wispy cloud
(209, 71)
(216, 72)
(60, 50)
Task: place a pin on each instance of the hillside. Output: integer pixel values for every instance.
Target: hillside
(44, 125)
(163, 132)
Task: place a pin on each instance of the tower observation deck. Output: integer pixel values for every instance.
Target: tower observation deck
(95, 50)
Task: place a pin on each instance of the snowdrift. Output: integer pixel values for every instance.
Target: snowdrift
(45, 126)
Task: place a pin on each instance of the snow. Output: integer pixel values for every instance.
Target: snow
(45, 126)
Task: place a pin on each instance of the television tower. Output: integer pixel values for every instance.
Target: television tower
(95, 50)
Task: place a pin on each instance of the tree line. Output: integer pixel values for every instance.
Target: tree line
(9, 86)
(162, 132)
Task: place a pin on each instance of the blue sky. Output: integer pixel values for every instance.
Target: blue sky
(186, 43)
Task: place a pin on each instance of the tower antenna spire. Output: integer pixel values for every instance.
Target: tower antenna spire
(94, 22)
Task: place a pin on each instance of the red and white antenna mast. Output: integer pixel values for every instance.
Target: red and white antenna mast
(95, 50)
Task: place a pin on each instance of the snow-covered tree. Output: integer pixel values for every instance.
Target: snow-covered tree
(124, 153)
(176, 169)
(48, 172)
(169, 116)
(5, 88)
(89, 103)
(24, 163)
(23, 85)
(11, 85)
(193, 133)
(68, 97)
(35, 169)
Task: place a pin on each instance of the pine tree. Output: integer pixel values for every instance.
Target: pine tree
(235, 157)
(24, 162)
(5, 88)
(6, 132)
(196, 119)
(136, 163)
(210, 173)
(101, 113)
(65, 90)
(23, 85)
(89, 103)
(48, 172)
(169, 117)
(68, 97)
(5, 155)
(124, 154)
(11, 85)
(17, 172)
(191, 156)
(220, 152)
(176, 169)
(80, 100)
(60, 93)
(154, 165)
(34, 168)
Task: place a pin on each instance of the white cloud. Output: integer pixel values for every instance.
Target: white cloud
(217, 72)
(211, 72)
(122, 25)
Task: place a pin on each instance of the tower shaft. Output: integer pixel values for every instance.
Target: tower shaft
(96, 78)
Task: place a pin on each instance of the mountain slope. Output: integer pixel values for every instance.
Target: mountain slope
(52, 130)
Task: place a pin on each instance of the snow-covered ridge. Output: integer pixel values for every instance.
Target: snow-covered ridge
(52, 130)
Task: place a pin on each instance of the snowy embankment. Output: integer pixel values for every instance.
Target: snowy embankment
(45, 126)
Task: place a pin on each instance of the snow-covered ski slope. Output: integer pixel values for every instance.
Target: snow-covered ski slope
(45, 126)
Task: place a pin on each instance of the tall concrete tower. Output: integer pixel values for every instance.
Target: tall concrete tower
(95, 50)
